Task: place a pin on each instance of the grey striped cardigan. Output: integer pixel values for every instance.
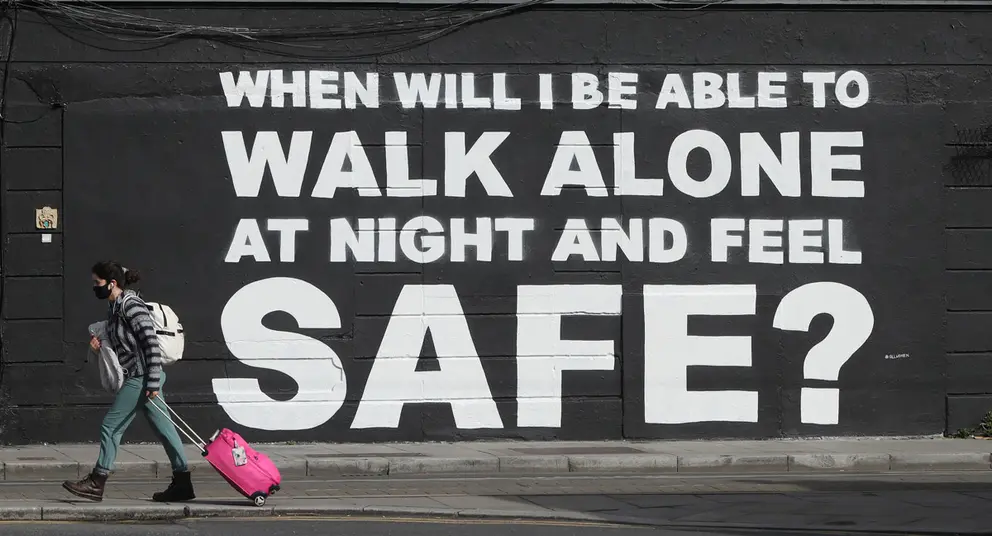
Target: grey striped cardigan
(129, 324)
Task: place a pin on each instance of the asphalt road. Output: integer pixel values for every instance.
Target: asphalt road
(949, 503)
(330, 526)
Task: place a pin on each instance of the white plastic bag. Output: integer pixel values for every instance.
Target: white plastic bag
(111, 373)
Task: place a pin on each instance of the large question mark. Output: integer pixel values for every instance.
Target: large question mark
(853, 323)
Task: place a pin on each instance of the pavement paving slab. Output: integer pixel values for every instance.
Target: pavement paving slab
(127, 465)
(57, 462)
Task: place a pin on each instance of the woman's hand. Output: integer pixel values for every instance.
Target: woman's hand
(95, 344)
(151, 394)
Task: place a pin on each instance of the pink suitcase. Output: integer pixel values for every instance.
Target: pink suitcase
(250, 472)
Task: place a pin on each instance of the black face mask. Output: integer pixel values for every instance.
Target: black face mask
(102, 292)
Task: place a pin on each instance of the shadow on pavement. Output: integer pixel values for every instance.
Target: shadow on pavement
(865, 484)
(855, 505)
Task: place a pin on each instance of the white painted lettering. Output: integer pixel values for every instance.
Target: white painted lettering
(398, 182)
(860, 83)
(322, 84)
(658, 230)
(469, 98)
(344, 238)
(252, 88)
(450, 90)
(819, 82)
(761, 241)
(823, 163)
(573, 146)
(387, 240)
(575, 240)
(394, 381)
(247, 170)
(615, 238)
(460, 164)
(734, 98)
(720, 163)
(767, 241)
(355, 91)
(346, 147)
(514, 228)
(543, 357)
(247, 242)
(853, 322)
(771, 89)
(673, 91)
(481, 239)
(546, 86)
(800, 242)
(321, 385)
(431, 244)
(585, 91)
(706, 90)
(287, 229)
(622, 90)
(758, 156)
(625, 176)
(720, 238)
(415, 88)
(500, 91)
(669, 350)
(838, 255)
(297, 87)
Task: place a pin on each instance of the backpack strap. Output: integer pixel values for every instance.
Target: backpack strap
(120, 307)
(165, 319)
(124, 301)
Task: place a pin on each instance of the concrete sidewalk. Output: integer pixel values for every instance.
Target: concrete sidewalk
(895, 503)
(58, 462)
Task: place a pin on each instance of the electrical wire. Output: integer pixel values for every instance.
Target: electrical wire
(421, 27)
(385, 35)
(416, 27)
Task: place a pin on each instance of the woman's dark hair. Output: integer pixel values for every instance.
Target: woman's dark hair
(112, 270)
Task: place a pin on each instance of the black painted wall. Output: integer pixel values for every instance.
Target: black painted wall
(127, 144)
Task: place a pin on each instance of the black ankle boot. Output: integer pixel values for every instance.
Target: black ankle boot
(181, 489)
(90, 487)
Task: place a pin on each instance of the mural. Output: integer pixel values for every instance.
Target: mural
(584, 250)
(769, 165)
(749, 208)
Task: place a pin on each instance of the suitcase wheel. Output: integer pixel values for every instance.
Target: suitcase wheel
(274, 489)
(259, 499)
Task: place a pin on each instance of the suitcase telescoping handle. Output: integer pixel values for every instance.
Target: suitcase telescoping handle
(200, 444)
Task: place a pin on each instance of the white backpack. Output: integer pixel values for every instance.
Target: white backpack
(169, 329)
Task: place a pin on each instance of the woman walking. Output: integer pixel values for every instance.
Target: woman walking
(130, 330)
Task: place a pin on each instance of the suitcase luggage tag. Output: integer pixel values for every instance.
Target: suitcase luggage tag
(240, 456)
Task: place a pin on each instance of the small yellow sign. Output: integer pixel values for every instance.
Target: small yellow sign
(46, 218)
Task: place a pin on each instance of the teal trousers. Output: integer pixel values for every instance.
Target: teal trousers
(129, 401)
